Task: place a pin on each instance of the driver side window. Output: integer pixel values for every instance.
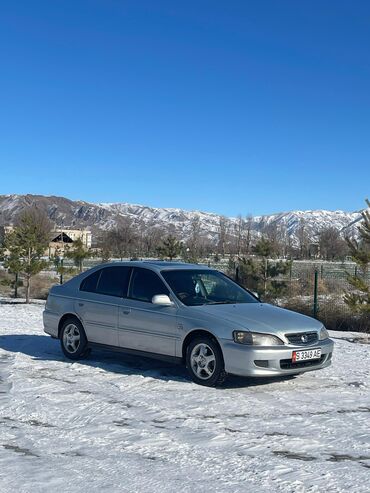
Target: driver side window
(145, 284)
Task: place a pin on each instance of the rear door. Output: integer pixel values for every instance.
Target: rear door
(101, 297)
(142, 325)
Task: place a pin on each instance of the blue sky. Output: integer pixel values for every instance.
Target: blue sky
(232, 107)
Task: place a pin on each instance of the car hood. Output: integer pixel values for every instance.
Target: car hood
(260, 317)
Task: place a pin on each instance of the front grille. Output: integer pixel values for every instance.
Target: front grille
(302, 338)
(286, 364)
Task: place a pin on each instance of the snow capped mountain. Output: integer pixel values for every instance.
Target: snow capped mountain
(314, 221)
(104, 216)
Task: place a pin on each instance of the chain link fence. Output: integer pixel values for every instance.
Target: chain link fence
(313, 288)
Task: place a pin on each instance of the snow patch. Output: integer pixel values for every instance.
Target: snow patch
(119, 423)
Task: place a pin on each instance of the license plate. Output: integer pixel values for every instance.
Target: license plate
(306, 354)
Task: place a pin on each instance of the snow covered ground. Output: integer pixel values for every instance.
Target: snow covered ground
(118, 423)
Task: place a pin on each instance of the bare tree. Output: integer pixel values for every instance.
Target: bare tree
(152, 237)
(303, 239)
(248, 234)
(120, 242)
(275, 236)
(193, 243)
(238, 236)
(221, 235)
(331, 244)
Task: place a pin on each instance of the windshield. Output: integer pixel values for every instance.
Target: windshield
(205, 287)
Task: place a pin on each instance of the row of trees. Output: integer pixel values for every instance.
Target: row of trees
(251, 260)
(231, 238)
(130, 240)
(24, 248)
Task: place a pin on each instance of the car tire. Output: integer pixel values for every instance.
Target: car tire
(204, 362)
(73, 339)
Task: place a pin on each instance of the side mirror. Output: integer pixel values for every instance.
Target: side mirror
(162, 299)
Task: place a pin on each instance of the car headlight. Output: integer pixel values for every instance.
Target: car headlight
(324, 334)
(256, 339)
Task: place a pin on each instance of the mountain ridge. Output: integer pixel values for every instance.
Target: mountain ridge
(65, 212)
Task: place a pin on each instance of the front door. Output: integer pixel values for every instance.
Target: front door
(142, 325)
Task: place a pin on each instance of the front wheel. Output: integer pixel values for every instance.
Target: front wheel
(204, 362)
(73, 339)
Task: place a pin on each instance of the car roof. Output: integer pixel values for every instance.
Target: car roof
(158, 265)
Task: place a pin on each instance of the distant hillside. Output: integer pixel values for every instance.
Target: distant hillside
(97, 217)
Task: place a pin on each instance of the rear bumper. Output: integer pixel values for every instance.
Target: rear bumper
(273, 361)
(51, 322)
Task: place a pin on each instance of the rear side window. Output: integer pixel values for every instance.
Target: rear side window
(90, 282)
(145, 284)
(111, 281)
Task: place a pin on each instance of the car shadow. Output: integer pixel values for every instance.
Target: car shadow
(44, 348)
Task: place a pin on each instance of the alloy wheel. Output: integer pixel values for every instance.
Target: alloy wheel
(71, 338)
(203, 361)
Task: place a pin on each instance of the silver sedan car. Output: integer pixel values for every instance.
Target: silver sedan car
(184, 313)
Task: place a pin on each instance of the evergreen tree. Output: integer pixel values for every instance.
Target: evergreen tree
(78, 253)
(263, 248)
(359, 299)
(57, 260)
(261, 275)
(26, 245)
(170, 248)
(14, 264)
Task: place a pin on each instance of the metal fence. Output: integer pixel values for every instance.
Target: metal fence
(316, 288)
(311, 287)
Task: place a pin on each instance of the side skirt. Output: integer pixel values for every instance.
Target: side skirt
(135, 352)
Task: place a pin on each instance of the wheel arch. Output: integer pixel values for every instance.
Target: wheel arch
(64, 318)
(198, 333)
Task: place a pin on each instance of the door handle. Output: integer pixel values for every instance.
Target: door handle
(81, 304)
(126, 311)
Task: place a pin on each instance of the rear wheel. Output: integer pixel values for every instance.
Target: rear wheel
(204, 362)
(73, 339)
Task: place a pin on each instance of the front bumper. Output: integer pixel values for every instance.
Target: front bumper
(258, 361)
